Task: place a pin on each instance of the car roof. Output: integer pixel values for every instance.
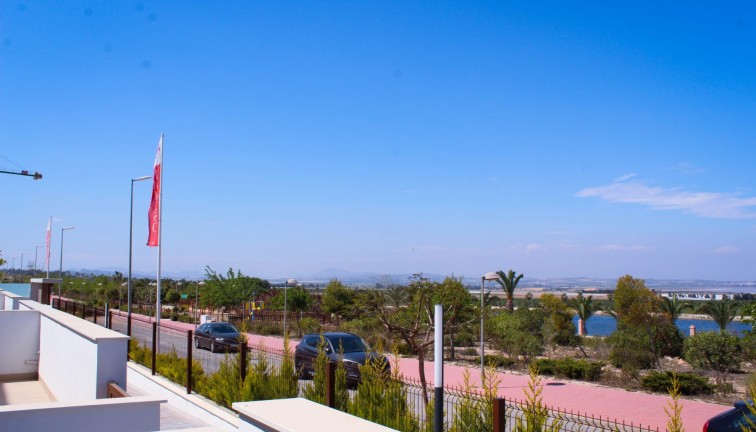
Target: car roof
(333, 335)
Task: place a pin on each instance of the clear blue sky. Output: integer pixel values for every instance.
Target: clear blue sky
(555, 138)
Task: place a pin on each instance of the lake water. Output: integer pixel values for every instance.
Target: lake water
(21, 289)
(604, 325)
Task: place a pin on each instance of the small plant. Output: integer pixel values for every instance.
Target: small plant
(674, 407)
(500, 361)
(535, 413)
(469, 351)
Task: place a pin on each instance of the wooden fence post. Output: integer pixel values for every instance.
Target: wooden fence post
(331, 385)
(188, 362)
(499, 414)
(243, 360)
(154, 347)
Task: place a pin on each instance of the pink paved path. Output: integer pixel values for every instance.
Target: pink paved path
(636, 407)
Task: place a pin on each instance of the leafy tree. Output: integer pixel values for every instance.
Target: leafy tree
(459, 306)
(411, 321)
(557, 326)
(721, 311)
(231, 290)
(518, 333)
(584, 308)
(509, 282)
(337, 298)
(639, 326)
(298, 299)
(671, 307)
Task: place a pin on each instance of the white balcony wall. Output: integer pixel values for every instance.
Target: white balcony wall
(78, 358)
(19, 331)
(131, 414)
(9, 300)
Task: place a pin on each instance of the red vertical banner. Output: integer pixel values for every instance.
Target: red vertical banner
(154, 213)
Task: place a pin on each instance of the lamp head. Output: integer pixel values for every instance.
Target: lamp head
(490, 276)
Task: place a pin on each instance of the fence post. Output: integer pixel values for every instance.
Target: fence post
(128, 325)
(331, 385)
(110, 320)
(94, 314)
(154, 346)
(188, 362)
(107, 315)
(499, 414)
(243, 360)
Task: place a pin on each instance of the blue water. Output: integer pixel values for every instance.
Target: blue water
(604, 325)
(21, 289)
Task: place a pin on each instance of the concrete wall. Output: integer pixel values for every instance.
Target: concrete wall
(9, 300)
(78, 358)
(19, 335)
(132, 414)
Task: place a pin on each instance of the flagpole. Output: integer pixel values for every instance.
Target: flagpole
(160, 233)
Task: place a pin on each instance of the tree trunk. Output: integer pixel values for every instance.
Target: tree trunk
(451, 342)
(421, 365)
(510, 304)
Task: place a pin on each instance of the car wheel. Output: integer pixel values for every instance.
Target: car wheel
(212, 347)
(196, 343)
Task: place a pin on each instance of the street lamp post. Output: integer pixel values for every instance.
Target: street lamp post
(22, 261)
(196, 302)
(286, 285)
(131, 242)
(486, 277)
(60, 272)
(36, 254)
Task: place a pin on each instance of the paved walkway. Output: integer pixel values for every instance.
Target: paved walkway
(636, 407)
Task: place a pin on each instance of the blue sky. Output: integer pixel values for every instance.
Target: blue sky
(556, 138)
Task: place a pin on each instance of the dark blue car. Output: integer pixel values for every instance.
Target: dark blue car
(356, 352)
(217, 336)
(733, 419)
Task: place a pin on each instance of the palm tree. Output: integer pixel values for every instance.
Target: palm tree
(672, 307)
(509, 282)
(584, 308)
(721, 311)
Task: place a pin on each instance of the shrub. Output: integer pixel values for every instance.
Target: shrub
(630, 349)
(518, 333)
(469, 351)
(717, 351)
(690, 384)
(499, 361)
(570, 368)
(309, 325)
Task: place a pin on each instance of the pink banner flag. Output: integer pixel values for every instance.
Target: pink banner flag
(154, 213)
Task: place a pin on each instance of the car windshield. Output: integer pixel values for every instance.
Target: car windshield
(224, 328)
(349, 344)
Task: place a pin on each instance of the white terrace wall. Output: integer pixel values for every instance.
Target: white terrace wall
(9, 300)
(19, 334)
(78, 358)
(131, 414)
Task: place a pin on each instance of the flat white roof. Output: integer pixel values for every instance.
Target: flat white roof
(299, 415)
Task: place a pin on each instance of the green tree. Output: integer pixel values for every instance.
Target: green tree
(230, 290)
(518, 333)
(509, 282)
(584, 308)
(721, 311)
(671, 307)
(337, 298)
(557, 326)
(459, 306)
(639, 325)
(411, 321)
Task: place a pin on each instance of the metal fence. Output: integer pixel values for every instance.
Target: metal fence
(173, 353)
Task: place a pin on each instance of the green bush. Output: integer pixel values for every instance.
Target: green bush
(469, 351)
(570, 368)
(265, 328)
(718, 351)
(309, 325)
(630, 349)
(690, 384)
(499, 361)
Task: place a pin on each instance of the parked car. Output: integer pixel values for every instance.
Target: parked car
(733, 419)
(356, 352)
(217, 336)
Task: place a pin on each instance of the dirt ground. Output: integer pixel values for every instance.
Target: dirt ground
(616, 378)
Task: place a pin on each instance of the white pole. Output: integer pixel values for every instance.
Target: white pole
(160, 230)
(438, 361)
